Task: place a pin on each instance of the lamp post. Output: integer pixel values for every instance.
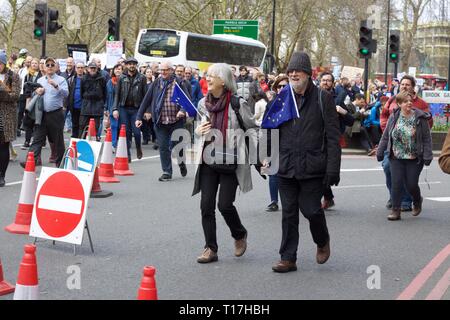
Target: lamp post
(387, 42)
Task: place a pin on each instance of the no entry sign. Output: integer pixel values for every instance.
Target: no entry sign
(60, 206)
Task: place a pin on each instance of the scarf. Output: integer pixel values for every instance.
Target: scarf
(218, 109)
(114, 80)
(32, 72)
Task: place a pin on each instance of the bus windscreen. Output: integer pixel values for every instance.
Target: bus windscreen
(162, 44)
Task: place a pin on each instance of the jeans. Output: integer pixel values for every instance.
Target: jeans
(127, 116)
(163, 135)
(405, 173)
(115, 130)
(273, 187)
(209, 185)
(406, 198)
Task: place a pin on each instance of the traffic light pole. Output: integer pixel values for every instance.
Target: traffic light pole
(44, 48)
(117, 35)
(366, 78)
(395, 70)
(387, 43)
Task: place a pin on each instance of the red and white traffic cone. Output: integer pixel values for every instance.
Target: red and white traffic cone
(71, 163)
(27, 286)
(106, 169)
(24, 212)
(96, 191)
(5, 287)
(147, 290)
(121, 167)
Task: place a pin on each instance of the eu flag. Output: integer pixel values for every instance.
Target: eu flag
(180, 98)
(282, 109)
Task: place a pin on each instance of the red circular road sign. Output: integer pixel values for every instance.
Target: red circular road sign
(60, 204)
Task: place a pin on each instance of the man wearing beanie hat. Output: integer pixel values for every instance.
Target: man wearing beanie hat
(310, 158)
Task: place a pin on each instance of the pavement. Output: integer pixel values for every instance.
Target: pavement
(147, 222)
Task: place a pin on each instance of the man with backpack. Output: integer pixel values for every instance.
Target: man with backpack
(310, 158)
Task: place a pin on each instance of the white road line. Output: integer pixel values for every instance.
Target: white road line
(442, 199)
(361, 170)
(16, 183)
(65, 205)
(146, 158)
(378, 185)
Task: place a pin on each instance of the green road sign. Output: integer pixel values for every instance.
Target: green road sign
(243, 28)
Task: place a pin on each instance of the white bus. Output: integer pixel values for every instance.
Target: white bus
(197, 50)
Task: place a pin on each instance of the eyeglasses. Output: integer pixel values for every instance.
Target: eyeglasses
(50, 65)
(326, 80)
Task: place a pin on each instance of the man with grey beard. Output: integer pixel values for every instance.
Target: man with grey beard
(310, 158)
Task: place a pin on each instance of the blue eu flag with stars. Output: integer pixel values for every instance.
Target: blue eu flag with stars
(283, 109)
(180, 98)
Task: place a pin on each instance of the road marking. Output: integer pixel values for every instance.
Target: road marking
(379, 185)
(56, 203)
(424, 275)
(361, 170)
(442, 199)
(441, 288)
(17, 182)
(147, 158)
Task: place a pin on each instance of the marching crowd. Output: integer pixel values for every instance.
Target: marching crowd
(393, 124)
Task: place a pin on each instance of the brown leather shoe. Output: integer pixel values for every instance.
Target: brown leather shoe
(240, 246)
(284, 266)
(417, 208)
(207, 256)
(323, 253)
(395, 215)
(139, 153)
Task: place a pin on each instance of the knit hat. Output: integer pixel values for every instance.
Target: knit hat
(300, 62)
(3, 58)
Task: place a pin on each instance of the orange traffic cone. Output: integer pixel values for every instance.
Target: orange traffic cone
(96, 191)
(121, 167)
(22, 222)
(106, 169)
(27, 286)
(5, 287)
(147, 290)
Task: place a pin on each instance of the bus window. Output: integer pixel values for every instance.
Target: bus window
(205, 49)
(159, 43)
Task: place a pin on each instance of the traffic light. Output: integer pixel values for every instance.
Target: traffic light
(53, 26)
(394, 46)
(367, 45)
(40, 21)
(112, 28)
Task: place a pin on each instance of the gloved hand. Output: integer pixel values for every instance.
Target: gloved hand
(427, 162)
(331, 179)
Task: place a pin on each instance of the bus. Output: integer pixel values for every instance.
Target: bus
(197, 50)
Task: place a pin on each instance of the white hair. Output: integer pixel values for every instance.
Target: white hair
(168, 63)
(224, 72)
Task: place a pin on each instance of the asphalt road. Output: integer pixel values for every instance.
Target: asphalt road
(147, 222)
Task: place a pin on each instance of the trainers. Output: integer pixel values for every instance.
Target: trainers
(25, 146)
(326, 204)
(207, 256)
(417, 208)
(273, 207)
(240, 246)
(183, 170)
(323, 253)
(165, 177)
(284, 266)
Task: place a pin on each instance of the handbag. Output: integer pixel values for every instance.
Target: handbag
(228, 161)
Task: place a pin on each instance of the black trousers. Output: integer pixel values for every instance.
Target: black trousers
(84, 124)
(75, 122)
(209, 185)
(405, 173)
(328, 193)
(52, 126)
(4, 156)
(305, 195)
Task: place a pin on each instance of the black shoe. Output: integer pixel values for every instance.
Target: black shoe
(389, 204)
(19, 133)
(145, 143)
(183, 170)
(25, 146)
(273, 207)
(155, 147)
(165, 177)
(139, 153)
(2, 182)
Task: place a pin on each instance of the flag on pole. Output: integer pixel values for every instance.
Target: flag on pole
(180, 98)
(283, 109)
